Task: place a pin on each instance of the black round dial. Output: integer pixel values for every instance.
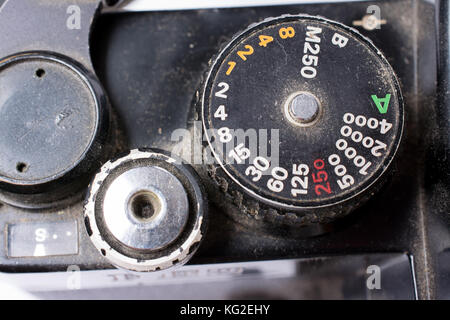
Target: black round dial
(302, 112)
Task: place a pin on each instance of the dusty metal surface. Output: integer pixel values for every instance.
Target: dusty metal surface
(151, 79)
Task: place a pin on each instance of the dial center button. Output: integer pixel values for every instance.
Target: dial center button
(302, 108)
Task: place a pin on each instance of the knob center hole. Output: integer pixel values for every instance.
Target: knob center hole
(145, 206)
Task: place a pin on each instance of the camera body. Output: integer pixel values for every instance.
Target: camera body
(153, 66)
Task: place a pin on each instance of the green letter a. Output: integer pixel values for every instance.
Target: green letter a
(378, 101)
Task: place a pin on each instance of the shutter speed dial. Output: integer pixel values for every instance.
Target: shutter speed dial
(304, 115)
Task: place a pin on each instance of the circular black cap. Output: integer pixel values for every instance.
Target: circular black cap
(53, 124)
